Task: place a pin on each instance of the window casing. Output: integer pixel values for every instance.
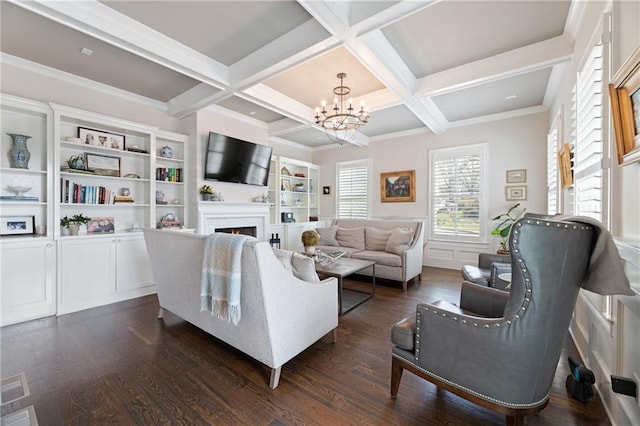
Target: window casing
(553, 138)
(457, 204)
(352, 194)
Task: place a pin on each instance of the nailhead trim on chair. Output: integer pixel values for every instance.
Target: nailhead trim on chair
(525, 275)
(523, 307)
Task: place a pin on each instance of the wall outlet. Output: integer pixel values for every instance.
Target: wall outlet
(624, 385)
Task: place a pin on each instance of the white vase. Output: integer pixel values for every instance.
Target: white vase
(309, 250)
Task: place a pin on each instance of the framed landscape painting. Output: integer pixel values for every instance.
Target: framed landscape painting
(398, 186)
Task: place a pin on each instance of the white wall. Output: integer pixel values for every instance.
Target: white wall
(515, 143)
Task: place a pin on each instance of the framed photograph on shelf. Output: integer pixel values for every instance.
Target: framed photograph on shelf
(285, 185)
(517, 176)
(515, 193)
(17, 225)
(100, 138)
(624, 93)
(103, 164)
(101, 225)
(398, 186)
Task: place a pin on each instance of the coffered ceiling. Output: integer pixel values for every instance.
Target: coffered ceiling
(420, 66)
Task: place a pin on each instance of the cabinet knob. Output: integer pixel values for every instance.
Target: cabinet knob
(49, 245)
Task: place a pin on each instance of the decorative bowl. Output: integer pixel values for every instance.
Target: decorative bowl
(18, 190)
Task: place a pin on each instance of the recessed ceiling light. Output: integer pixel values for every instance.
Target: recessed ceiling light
(86, 51)
(511, 97)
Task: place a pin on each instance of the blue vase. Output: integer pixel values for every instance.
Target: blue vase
(19, 154)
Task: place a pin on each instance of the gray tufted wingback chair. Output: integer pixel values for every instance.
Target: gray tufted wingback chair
(508, 363)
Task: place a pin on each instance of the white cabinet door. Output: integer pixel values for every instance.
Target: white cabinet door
(134, 269)
(28, 281)
(87, 273)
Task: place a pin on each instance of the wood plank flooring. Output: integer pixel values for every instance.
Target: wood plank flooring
(120, 365)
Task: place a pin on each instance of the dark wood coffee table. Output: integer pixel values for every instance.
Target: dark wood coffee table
(342, 268)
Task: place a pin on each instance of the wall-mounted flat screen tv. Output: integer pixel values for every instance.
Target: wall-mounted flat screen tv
(234, 160)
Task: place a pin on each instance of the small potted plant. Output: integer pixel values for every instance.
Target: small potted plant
(503, 228)
(309, 239)
(208, 194)
(71, 225)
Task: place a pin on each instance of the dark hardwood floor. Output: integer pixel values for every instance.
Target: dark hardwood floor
(120, 365)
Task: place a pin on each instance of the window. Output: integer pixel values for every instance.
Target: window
(353, 189)
(592, 155)
(457, 183)
(590, 135)
(553, 137)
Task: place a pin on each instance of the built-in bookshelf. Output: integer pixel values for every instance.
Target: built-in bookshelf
(293, 189)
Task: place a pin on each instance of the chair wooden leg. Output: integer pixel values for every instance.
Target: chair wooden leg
(160, 313)
(396, 376)
(404, 286)
(517, 420)
(334, 334)
(275, 377)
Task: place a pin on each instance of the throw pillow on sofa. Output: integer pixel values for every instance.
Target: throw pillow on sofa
(376, 239)
(302, 267)
(399, 241)
(327, 236)
(353, 237)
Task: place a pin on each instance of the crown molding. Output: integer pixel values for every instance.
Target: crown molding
(499, 116)
(290, 143)
(236, 116)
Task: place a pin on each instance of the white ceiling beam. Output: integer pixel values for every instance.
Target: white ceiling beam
(194, 99)
(515, 62)
(282, 104)
(104, 23)
(282, 54)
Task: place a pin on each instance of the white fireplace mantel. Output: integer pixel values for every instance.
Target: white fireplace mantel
(221, 214)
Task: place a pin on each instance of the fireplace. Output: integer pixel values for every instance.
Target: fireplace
(221, 215)
(239, 230)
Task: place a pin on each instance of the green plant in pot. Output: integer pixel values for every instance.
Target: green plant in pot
(71, 225)
(309, 239)
(503, 227)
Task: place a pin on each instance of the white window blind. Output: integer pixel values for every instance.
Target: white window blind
(457, 179)
(589, 142)
(353, 189)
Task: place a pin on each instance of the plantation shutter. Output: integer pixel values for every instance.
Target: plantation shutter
(456, 183)
(553, 206)
(353, 194)
(589, 142)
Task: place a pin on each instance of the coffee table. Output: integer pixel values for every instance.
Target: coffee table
(342, 268)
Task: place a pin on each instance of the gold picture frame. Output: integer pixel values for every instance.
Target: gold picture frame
(517, 176)
(398, 186)
(624, 93)
(566, 168)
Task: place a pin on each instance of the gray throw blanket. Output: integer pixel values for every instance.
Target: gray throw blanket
(606, 271)
(221, 276)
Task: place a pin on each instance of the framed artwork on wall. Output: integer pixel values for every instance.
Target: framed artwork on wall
(566, 166)
(398, 186)
(517, 176)
(624, 93)
(326, 190)
(515, 193)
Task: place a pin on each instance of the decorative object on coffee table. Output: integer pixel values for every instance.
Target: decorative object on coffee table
(310, 239)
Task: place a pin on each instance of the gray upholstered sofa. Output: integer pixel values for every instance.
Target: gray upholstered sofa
(281, 315)
(395, 245)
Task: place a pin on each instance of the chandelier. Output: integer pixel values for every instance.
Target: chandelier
(340, 121)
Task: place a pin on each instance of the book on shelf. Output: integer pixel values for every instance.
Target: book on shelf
(71, 192)
(123, 199)
(169, 174)
(18, 198)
